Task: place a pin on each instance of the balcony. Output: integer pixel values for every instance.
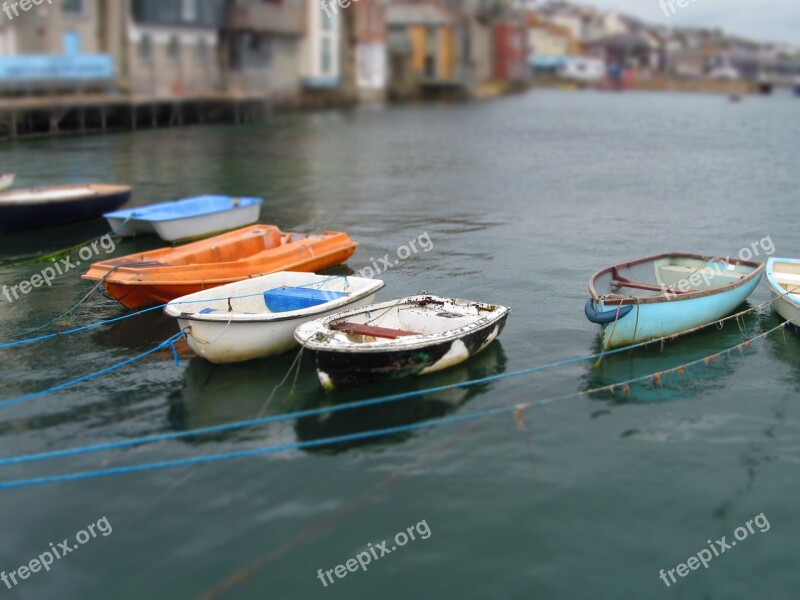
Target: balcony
(269, 18)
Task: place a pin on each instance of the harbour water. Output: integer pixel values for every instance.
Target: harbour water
(522, 199)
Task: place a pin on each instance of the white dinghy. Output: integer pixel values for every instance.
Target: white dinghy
(783, 278)
(412, 336)
(258, 317)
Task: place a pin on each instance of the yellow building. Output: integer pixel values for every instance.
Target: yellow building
(424, 44)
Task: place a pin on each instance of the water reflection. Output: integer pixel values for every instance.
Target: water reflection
(655, 358)
(216, 394)
(784, 344)
(490, 362)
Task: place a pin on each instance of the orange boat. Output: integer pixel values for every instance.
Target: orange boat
(160, 276)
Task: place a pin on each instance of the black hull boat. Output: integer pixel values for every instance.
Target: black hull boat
(60, 205)
(409, 337)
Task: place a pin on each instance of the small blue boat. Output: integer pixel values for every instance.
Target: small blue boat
(187, 219)
(667, 295)
(59, 205)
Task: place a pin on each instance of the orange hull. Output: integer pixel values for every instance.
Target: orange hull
(160, 276)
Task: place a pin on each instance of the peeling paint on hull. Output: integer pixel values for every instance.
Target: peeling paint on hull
(338, 370)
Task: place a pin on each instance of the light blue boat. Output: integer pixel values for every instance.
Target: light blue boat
(666, 295)
(187, 219)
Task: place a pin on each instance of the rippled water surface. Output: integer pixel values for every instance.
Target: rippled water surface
(523, 199)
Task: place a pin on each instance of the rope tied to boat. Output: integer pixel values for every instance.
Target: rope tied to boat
(168, 343)
(514, 409)
(90, 326)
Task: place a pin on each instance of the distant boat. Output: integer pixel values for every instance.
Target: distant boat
(257, 317)
(160, 276)
(667, 295)
(783, 279)
(6, 181)
(58, 205)
(412, 336)
(191, 218)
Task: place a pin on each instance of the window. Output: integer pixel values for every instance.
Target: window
(327, 21)
(73, 6)
(189, 11)
(327, 56)
(146, 49)
(202, 51)
(175, 49)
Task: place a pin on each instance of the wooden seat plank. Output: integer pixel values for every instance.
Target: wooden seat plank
(369, 330)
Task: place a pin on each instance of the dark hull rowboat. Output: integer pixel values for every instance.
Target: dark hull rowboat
(409, 337)
(47, 207)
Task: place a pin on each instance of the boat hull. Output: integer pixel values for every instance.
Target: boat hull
(338, 370)
(786, 297)
(671, 317)
(21, 217)
(139, 289)
(239, 342)
(135, 222)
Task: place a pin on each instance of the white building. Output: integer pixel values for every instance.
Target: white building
(321, 50)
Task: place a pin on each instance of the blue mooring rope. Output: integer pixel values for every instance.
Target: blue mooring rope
(170, 342)
(350, 406)
(475, 416)
(50, 336)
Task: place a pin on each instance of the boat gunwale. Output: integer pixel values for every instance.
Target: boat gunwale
(133, 270)
(268, 318)
(403, 344)
(96, 190)
(778, 289)
(758, 270)
(130, 213)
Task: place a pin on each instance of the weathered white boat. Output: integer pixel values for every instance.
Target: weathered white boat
(783, 279)
(257, 317)
(186, 219)
(412, 336)
(6, 181)
(666, 295)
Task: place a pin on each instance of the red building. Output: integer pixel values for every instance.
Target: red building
(510, 51)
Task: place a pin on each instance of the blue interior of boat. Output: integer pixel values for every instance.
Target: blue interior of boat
(286, 299)
(183, 209)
